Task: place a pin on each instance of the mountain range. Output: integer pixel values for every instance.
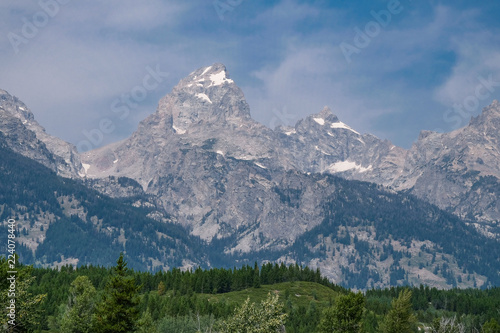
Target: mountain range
(366, 212)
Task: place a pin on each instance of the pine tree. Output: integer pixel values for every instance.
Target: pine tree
(344, 316)
(256, 277)
(161, 288)
(146, 323)
(400, 318)
(117, 312)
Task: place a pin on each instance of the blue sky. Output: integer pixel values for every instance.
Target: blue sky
(429, 66)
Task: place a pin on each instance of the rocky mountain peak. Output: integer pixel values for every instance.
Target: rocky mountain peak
(328, 121)
(488, 122)
(327, 115)
(15, 107)
(425, 133)
(491, 111)
(206, 96)
(210, 76)
(18, 123)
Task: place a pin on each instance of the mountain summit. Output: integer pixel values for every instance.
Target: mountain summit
(207, 97)
(206, 110)
(25, 136)
(459, 171)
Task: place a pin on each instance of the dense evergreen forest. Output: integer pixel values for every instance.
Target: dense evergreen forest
(295, 298)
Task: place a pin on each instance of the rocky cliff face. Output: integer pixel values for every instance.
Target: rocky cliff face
(459, 171)
(25, 136)
(322, 143)
(204, 126)
(214, 168)
(204, 163)
(206, 110)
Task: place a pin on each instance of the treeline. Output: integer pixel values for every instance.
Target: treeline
(473, 306)
(91, 298)
(56, 283)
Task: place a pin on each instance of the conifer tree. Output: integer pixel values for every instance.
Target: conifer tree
(400, 318)
(117, 312)
(146, 323)
(256, 277)
(161, 288)
(345, 315)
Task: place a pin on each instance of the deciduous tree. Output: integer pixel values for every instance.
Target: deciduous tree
(251, 318)
(80, 310)
(27, 307)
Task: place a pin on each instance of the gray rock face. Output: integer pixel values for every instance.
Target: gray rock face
(322, 143)
(25, 136)
(205, 110)
(210, 167)
(205, 159)
(458, 171)
(214, 168)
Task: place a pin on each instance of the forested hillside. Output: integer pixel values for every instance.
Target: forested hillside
(61, 220)
(87, 298)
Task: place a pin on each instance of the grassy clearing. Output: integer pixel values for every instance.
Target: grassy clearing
(299, 293)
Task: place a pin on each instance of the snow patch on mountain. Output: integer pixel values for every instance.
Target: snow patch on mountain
(342, 125)
(206, 70)
(86, 167)
(219, 79)
(204, 97)
(346, 165)
(320, 121)
(178, 130)
(260, 165)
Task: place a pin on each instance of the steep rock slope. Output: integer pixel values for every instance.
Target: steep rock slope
(25, 136)
(459, 171)
(322, 143)
(255, 193)
(357, 233)
(60, 221)
(214, 168)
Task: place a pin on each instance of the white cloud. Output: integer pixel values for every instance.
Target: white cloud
(130, 15)
(304, 82)
(70, 72)
(477, 57)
